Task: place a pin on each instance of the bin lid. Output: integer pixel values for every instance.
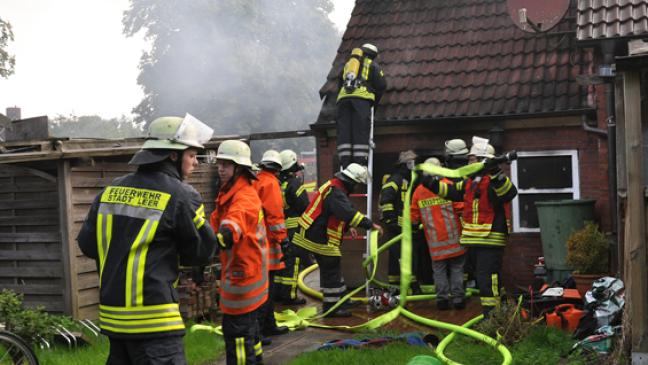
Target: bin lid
(565, 202)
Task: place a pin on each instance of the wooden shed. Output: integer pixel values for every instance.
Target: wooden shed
(46, 188)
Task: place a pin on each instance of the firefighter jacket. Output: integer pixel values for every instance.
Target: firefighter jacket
(138, 230)
(269, 191)
(486, 205)
(371, 86)
(326, 219)
(244, 266)
(392, 197)
(295, 199)
(441, 223)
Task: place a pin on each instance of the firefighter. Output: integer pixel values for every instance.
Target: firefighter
(486, 197)
(295, 201)
(322, 226)
(456, 153)
(267, 187)
(442, 229)
(392, 197)
(238, 218)
(354, 102)
(456, 156)
(139, 229)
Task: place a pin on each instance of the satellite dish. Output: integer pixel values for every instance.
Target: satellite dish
(537, 16)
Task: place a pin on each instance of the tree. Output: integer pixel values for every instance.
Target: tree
(239, 65)
(93, 126)
(7, 61)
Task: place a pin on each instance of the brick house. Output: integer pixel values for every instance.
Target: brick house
(462, 68)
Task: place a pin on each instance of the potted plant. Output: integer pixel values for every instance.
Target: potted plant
(588, 255)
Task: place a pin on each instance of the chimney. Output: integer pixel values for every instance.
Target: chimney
(13, 113)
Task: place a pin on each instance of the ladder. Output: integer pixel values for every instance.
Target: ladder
(369, 194)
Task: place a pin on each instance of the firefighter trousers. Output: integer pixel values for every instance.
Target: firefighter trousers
(487, 262)
(448, 278)
(331, 281)
(353, 129)
(242, 339)
(296, 259)
(162, 350)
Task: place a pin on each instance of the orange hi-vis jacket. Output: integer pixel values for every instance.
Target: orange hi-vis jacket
(244, 267)
(441, 223)
(267, 186)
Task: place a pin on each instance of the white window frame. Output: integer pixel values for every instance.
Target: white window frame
(575, 189)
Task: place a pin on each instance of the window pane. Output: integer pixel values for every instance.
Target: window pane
(544, 172)
(528, 210)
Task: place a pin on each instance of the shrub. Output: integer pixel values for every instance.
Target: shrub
(28, 323)
(588, 250)
(506, 323)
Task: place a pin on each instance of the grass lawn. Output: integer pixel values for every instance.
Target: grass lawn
(542, 346)
(200, 348)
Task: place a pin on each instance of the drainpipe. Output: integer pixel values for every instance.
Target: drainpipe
(607, 71)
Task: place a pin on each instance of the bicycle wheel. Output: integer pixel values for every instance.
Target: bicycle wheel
(15, 351)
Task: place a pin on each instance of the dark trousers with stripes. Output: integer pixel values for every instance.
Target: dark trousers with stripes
(487, 262)
(267, 321)
(353, 129)
(242, 339)
(296, 259)
(163, 350)
(331, 281)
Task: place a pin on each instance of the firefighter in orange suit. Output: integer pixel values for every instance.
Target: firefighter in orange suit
(238, 219)
(322, 226)
(486, 197)
(267, 186)
(442, 229)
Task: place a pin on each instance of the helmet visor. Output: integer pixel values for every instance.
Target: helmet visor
(193, 132)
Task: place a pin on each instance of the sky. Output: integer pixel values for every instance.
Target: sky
(59, 45)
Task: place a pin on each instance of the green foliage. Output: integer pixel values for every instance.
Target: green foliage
(588, 250)
(7, 61)
(93, 126)
(28, 323)
(241, 66)
(505, 324)
(396, 354)
(200, 348)
(541, 346)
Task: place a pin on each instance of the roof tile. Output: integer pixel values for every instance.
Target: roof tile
(600, 19)
(462, 58)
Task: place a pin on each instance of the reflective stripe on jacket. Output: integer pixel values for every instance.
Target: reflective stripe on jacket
(486, 200)
(269, 191)
(441, 224)
(392, 198)
(244, 267)
(325, 220)
(295, 199)
(138, 230)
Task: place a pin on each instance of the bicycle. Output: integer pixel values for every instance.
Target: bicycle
(15, 351)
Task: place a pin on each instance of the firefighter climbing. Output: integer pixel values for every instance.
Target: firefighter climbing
(361, 86)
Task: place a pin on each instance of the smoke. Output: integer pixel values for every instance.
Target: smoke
(241, 66)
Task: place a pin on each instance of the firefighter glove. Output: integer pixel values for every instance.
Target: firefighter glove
(225, 238)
